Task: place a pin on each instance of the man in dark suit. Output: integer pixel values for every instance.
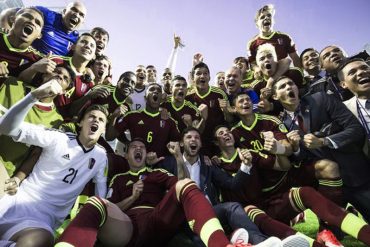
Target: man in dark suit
(321, 126)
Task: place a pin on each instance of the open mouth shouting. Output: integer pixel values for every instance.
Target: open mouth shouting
(193, 147)
(94, 128)
(100, 73)
(99, 46)
(268, 66)
(291, 94)
(28, 29)
(138, 156)
(266, 23)
(73, 20)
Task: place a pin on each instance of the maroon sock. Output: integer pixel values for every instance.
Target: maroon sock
(83, 229)
(199, 213)
(270, 226)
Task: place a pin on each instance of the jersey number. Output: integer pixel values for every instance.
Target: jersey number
(257, 146)
(70, 176)
(149, 137)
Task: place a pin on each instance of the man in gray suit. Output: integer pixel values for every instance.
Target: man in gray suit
(328, 130)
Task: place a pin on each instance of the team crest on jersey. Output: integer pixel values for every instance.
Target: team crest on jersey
(162, 123)
(66, 156)
(280, 41)
(91, 163)
(83, 87)
(212, 103)
(282, 128)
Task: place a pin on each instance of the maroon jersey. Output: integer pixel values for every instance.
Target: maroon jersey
(281, 41)
(249, 192)
(80, 87)
(156, 184)
(178, 112)
(112, 101)
(215, 115)
(16, 59)
(157, 132)
(251, 138)
(295, 74)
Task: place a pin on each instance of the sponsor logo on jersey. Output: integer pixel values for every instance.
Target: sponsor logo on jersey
(66, 156)
(141, 122)
(51, 33)
(91, 163)
(242, 139)
(129, 182)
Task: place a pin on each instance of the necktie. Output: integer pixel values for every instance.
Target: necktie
(367, 104)
(301, 123)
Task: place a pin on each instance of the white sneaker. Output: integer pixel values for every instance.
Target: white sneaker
(239, 236)
(295, 241)
(270, 242)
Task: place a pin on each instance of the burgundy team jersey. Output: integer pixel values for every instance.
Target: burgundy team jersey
(215, 115)
(156, 184)
(150, 127)
(112, 102)
(295, 74)
(249, 192)
(251, 138)
(80, 88)
(281, 41)
(177, 113)
(16, 59)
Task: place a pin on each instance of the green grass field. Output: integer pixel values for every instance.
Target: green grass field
(311, 226)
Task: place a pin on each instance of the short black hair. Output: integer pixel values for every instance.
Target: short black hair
(85, 34)
(273, 89)
(244, 59)
(99, 30)
(70, 71)
(21, 10)
(344, 63)
(306, 50)
(136, 139)
(126, 74)
(237, 95)
(217, 127)
(198, 66)
(178, 78)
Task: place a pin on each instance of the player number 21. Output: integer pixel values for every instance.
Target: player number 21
(70, 176)
(149, 137)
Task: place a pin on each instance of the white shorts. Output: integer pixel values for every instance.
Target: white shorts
(21, 211)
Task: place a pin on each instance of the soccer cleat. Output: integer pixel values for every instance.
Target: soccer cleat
(295, 241)
(239, 236)
(300, 218)
(327, 237)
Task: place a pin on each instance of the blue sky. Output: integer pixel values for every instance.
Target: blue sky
(142, 30)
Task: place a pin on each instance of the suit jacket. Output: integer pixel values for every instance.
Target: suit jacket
(211, 177)
(352, 106)
(327, 116)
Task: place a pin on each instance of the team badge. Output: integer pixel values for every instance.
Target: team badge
(280, 41)
(282, 128)
(142, 177)
(162, 123)
(91, 163)
(211, 103)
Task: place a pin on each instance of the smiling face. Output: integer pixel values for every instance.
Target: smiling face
(136, 155)
(85, 48)
(331, 57)
(92, 126)
(286, 91)
(233, 80)
(140, 76)
(243, 105)
(126, 84)
(73, 16)
(356, 77)
(27, 26)
(153, 96)
(224, 137)
(191, 143)
(179, 90)
(310, 61)
(101, 42)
